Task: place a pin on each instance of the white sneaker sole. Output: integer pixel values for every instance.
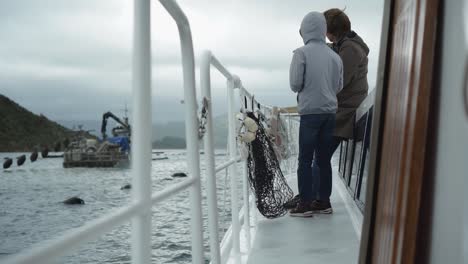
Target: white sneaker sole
(326, 211)
(305, 214)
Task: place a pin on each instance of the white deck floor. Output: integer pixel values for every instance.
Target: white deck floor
(321, 239)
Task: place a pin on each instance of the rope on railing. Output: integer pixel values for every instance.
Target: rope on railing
(203, 118)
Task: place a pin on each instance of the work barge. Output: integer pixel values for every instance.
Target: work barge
(108, 152)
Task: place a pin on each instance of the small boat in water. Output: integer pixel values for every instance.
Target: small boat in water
(109, 152)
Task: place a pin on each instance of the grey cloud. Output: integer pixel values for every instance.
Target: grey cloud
(51, 35)
(27, 8)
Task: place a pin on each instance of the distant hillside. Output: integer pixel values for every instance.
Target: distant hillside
(22, 130)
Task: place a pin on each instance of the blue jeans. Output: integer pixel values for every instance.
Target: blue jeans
(323, 190)
(315, 136)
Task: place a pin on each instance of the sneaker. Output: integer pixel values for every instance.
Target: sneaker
(321, 207)
(291, 204)
(302, 210)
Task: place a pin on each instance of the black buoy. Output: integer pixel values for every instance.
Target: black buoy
(179, 174)
(58, 146)
(74, 200)
(7, 163)
(20, 160)
(33, 156)
(126, 187)
(45, 152)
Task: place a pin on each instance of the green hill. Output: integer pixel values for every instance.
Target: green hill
(22, 130)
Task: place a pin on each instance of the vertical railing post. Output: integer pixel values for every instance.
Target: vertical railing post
(245, 186)
(254, 211)
(213, 226)
(233, 173)
(141, 138)
(193, 153)
(191, 134)
(191, 126)
(290, 159)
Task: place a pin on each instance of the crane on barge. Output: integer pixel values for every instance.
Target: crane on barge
(107, 152)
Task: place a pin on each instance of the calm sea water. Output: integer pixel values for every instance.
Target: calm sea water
(31, 210)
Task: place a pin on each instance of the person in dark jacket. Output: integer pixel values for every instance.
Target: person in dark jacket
(353, 52)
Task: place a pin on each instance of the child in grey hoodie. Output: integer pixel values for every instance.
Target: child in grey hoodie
(316, 74)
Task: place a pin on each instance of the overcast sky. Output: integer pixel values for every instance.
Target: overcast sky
(71, 60)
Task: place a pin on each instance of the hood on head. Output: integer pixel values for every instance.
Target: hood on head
(313, 27)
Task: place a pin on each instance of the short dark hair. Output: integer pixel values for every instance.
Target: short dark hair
(338, 23)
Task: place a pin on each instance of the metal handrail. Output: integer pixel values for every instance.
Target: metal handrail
(173, 189)
(191, 126)
(94, 229)
(233, 82)
(71, 239)
(227, 164)
(139, 211)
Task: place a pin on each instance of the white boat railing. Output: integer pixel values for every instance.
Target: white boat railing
(233, 241)
(139, 211)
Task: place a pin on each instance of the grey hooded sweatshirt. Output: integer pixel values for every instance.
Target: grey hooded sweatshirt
(316, 71)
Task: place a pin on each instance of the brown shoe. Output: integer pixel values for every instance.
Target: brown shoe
(321, 207)
(302, 210)
(291, 204)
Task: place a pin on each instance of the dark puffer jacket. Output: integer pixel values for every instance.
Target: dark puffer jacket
(353, 52)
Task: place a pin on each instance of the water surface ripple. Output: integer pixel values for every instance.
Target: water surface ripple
(31, 210)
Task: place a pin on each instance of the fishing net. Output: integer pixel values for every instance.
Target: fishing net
(265, 176)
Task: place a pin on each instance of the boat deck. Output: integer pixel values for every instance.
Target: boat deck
(320, 239)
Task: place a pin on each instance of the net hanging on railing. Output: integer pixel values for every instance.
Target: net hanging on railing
(265, 175)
